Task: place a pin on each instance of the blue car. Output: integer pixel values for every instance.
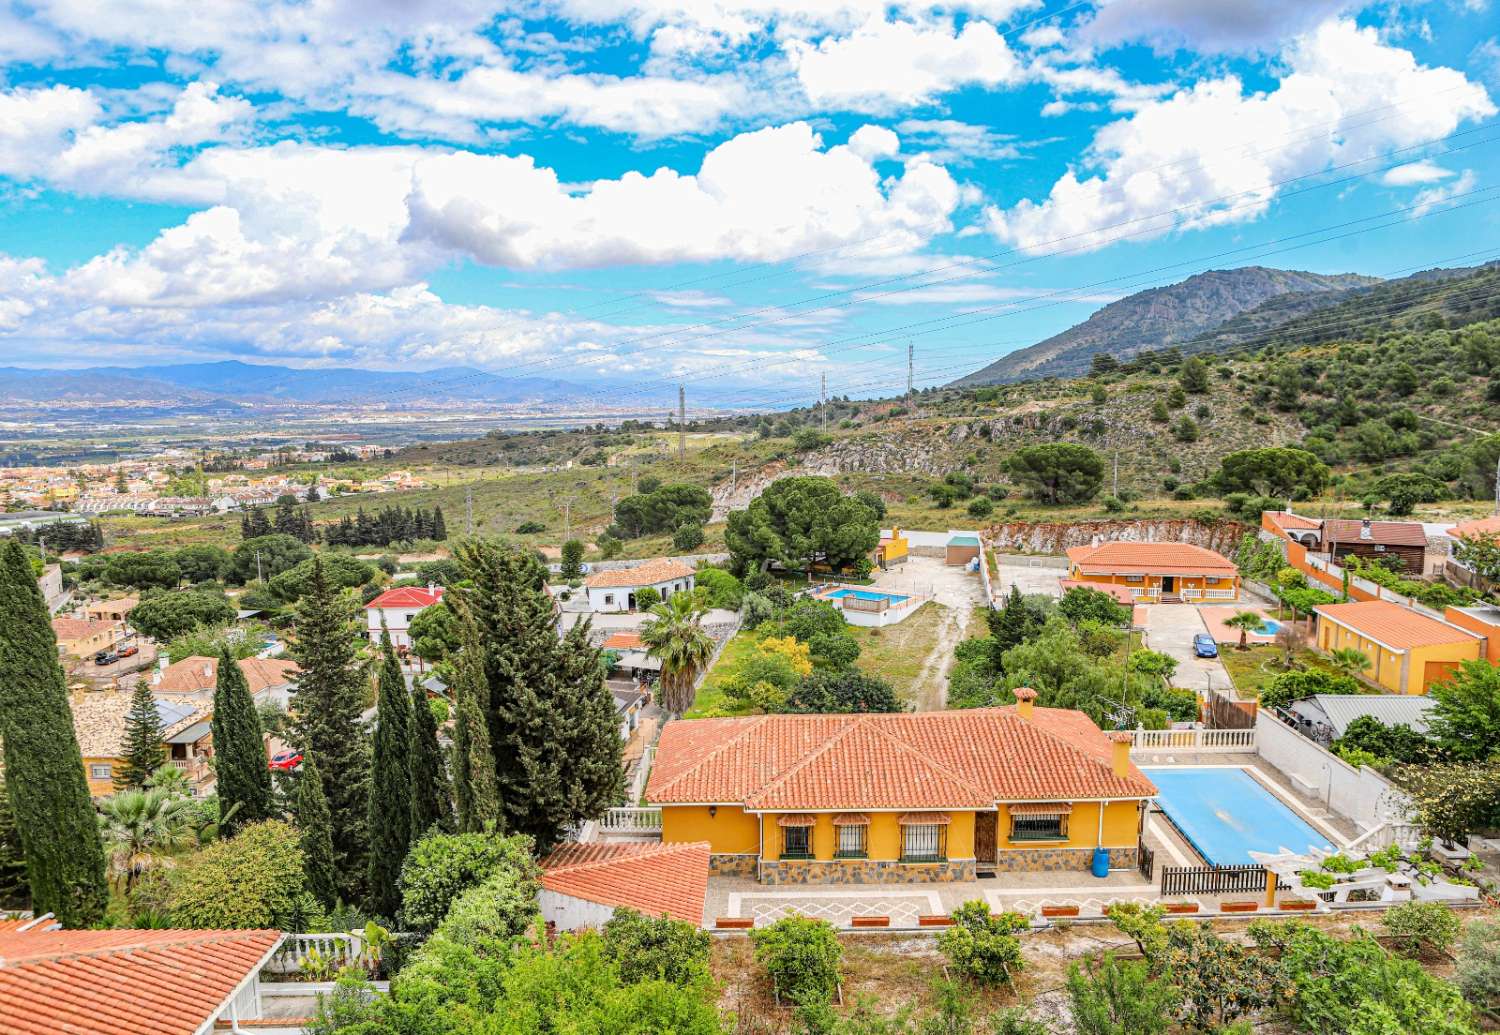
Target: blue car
(1204, 646)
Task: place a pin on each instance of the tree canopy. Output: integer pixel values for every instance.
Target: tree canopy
(1058, 472)
(1279, 471)
(167, 616)
(662, 510)
(798, 522)
(277, 553)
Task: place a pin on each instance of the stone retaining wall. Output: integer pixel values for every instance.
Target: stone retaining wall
(1056, 860)
(732, 865)
(863, 871)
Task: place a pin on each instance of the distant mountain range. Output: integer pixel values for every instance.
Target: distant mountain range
(1248, 307)
(232, 382)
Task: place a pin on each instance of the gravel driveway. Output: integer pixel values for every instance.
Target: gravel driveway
(1170, 629)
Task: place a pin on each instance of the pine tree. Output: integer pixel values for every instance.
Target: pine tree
(49, 796)
(473, 760)
(240, 766)
(430, 805)
(1010, 626)
(329, 696)
(390, 784)
(439, 526)
(551, 720)
(316, 834)
(144, 750)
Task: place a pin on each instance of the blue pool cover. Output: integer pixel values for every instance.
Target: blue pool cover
(1226, 815)
(866, 594)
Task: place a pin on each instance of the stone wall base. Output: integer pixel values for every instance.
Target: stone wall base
(1050, 860)
(732, 865)
(863, 871)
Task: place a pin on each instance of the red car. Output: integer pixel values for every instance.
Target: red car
(128, 651)
(286, 760)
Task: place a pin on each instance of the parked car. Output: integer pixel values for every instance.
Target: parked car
(130, 650)
(1204, 646)
(106, 657)
(286, 760)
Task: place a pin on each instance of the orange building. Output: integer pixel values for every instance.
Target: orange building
(1408, 651)
(1156, 572)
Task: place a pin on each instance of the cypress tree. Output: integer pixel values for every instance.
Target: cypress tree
(439, 526)
(243, 776)
(13, 891)
(326, 704)
(551, 719)
(49, 796)
(144, 750)
(316, 834)
(430, 805)
(473, 760)
(390, 783)
(1010, 626)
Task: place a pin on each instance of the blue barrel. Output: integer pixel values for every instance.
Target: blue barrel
(1101, 863)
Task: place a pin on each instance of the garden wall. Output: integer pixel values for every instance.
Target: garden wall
(1359, 794)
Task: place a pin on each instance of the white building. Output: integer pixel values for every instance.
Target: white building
(615, 590)
(396, 608)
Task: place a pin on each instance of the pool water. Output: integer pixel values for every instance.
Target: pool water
(1269, 627)
(1226, 814)
(866, 594)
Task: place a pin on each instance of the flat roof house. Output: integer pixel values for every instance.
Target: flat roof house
(1155, 572)
(929, 796)
(1408, 651)
(614, 590)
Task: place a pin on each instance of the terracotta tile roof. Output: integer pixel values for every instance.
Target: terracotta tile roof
(123, 982)
(198, 674)
(623, 641)
(650, 878)
(956, 759)
(649, 574)
(1286, 519)
(1120, 593)
(1150, 559)
(1481, 526)
(407, 596)
(1387, 533)
(80, 628)
(1393, 625)
(99, 721)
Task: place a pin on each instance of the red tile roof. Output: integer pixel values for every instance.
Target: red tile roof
(123, 982)
(1286, 519)
(623, 641)
(1479, 526)
(1150, 559)
(81, 628)
(1393, 625)
(652, 573)
(650, 878)
(407, 596)
(928, 760)
(1387, 533)
(197, 674)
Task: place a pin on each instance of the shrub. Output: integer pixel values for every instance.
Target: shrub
(1282, 690)
(981, 507)
(440, 867)
(646, 598)
(491, 915)
(251, 880)
(718, 588)
(1420, 927)
(1111, 997)
(1478, 970)
(982, 945)
(530, 528)
(802, 956)
(655, 948)
(687, 537)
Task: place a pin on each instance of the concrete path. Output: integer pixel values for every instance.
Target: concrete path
(1170, 629)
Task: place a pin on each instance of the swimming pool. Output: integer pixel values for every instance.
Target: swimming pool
(1225, 814)
(867, 594)
(1269, 627)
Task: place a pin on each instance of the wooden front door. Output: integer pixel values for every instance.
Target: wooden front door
(986, 837)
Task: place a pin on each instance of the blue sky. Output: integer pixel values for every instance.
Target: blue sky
(740, 195)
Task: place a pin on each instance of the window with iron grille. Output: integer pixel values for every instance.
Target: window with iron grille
(795, 843)
(922, 842)
(851, 842)
(1038, 828)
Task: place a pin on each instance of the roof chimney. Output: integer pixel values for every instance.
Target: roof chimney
(1025, 699)
(1120, 759)
(1364, 529)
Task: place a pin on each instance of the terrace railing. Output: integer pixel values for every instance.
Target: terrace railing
(335, 950)
(1192, 740)
(1215, 880)
(628, 820)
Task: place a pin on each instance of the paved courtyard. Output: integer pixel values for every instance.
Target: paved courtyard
(1170, 629)
(950, 585)
(1029, 575)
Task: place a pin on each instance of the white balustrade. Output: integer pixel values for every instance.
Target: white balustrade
(629, 820)
(1193, 740)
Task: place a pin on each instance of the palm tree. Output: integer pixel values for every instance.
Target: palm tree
(675, 636)
(1349, 661)
(137, 826)
(1246, 622)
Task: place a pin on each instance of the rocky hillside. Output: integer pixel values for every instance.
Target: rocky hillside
(1158, 317)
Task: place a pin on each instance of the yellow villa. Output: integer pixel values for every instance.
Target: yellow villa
(1408, 651)
(1155, 572)
(906, 798)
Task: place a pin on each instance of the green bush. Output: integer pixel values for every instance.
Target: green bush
(801, 956)
(530, 528)
(981, 507)
(1478, 970)
(646, 598)
(491, 915)
(1111, 997)
(440, 867)
(251, 880)
(718, 588)
(1420, 927)
(656, 948)
(1287, 687)
(981, 945)
(687, 537)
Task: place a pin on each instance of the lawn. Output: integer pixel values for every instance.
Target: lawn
(711, 699)
(1248, 669)
(897, 653)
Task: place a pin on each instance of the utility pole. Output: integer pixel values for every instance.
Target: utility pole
(734, 474)
(823, 400)
(257, 566)
(911, 351)
(568, 518)
(469, 509)
(1116, 490)
(681, 422)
